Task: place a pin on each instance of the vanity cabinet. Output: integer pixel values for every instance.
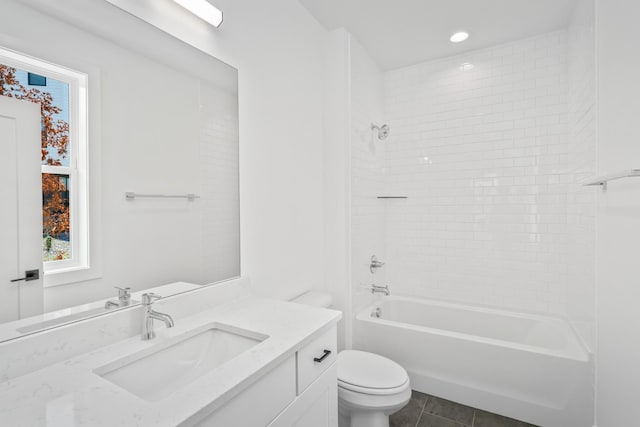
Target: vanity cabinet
(316, 403)
(299, 392)
(317, 406)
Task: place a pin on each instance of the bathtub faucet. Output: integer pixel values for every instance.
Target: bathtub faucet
(381, 289)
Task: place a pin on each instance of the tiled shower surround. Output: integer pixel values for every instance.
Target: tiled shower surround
(482, 155)
(218, 172)
(480, 146)
(581, 219)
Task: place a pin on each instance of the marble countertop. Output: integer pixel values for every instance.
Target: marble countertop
(70, 394)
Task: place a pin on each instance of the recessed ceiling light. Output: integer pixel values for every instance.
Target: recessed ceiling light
(203, 10)
(459, 37)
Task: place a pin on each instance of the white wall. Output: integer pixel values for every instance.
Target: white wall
(278, 49)
(482, 156)
(337, 173)
(618, 215)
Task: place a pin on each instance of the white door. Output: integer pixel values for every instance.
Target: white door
(20, 209)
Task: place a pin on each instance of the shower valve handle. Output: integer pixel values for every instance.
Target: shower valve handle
(374, 264)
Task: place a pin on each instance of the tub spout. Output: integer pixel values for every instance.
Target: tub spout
(381, 289)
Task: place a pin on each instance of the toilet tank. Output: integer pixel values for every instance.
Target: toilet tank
(315, 299)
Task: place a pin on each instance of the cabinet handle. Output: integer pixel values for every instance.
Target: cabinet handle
(321, 358)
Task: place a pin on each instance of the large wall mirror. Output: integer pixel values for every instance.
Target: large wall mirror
(120, 163)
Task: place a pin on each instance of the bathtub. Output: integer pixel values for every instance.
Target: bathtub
(529, 367)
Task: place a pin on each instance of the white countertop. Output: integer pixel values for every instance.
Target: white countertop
(70, 394)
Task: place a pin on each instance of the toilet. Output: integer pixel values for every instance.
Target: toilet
(370, 387)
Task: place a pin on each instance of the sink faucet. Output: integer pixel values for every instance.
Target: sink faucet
(124, 298)
(381, 289)
(149, 315)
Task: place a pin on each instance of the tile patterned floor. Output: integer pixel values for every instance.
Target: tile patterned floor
(430, 411)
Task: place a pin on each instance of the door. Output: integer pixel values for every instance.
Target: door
(20, 209)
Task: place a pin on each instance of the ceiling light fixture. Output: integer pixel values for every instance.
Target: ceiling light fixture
(466, 66)
(203, 10)
(459, 37)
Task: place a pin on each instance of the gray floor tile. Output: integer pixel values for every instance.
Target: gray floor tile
(408, 416)
(429, 420)
(487, 419)
(450, 410)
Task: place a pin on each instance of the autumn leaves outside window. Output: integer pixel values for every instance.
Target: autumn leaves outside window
(53, 97)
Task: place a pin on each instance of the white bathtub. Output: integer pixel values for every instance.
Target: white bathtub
(533, 368)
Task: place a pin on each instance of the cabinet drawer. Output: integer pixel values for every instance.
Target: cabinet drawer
(314, 358)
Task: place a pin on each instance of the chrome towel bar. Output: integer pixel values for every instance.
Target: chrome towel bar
(603, 180)
(132, 196)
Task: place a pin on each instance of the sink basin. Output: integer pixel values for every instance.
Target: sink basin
(155, 373)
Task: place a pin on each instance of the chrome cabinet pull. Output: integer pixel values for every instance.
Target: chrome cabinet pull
(321, 358)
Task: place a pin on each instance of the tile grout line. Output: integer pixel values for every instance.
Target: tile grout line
(444, 418)
(473, 419)
(422, 410)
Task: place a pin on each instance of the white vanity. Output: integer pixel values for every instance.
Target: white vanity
(232, 359)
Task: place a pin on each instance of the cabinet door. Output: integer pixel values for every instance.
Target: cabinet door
(318, 414)
(257, 405)
(317, 406)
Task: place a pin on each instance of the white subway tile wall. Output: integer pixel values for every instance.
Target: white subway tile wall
(219, 165)
(479, 143)
(582, 166)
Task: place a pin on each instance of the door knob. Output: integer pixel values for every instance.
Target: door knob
(29, 275)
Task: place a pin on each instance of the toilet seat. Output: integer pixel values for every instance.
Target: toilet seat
(373, 391)
(369, 373)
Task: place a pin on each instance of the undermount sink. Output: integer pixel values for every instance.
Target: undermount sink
(155, 373)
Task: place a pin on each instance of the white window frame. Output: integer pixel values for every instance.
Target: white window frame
(78, 169)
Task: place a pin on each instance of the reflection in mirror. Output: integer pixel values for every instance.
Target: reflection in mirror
(109, 110)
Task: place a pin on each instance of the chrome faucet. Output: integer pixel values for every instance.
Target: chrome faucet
(149, 315)
(380, 289)
(124, 298)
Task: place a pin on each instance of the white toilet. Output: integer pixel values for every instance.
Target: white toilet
(370, 387)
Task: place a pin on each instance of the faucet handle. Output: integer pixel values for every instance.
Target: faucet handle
(149, 298)
(124, 294)
(375, 264)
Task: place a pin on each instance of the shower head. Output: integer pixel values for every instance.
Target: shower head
(383, 131)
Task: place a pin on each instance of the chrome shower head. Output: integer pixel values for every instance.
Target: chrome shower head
(383, 131)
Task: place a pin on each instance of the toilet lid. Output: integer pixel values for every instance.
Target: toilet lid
(363, 370)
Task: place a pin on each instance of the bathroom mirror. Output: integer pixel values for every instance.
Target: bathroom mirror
(148, 182)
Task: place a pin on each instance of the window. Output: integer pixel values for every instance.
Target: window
(62, 95)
